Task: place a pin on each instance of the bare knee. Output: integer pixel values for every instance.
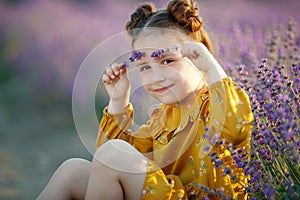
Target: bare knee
(76, 173)
(122, 166)
(69, 181)
(121, 156)
(73, 164)
(73, 169)
(117, 145)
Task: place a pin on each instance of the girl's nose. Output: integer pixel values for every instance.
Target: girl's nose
(158, 75)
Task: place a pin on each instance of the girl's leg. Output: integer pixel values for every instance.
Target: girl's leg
(118, 172)
(69, 181)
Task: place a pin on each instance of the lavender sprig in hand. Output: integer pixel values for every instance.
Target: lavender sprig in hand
(158, 54)
(136, 55)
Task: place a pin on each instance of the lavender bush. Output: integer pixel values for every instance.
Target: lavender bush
(273, 88)
(274, 94)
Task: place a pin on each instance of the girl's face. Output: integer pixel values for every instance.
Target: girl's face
(171, 78)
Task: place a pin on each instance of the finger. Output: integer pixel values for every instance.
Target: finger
(196, 52)
(192, 50)
(106, 79)
(189, 53)
(116, 69)
(183, 51)
(110, 73)
(123, 71)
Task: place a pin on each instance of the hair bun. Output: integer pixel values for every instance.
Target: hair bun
(141, 13)
(185, 14)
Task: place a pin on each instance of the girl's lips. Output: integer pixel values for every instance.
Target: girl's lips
(163, 89)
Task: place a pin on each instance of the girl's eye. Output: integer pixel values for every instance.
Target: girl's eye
(144, 68)
(167, 61)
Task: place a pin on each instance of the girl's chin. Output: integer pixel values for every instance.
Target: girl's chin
(168, 102)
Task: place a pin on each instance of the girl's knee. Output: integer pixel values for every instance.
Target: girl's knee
(117, 143)
(115, 147)
(73, 167)
(70, 179)
(120, 155)
(74, 163)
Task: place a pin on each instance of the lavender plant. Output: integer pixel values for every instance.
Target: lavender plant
(274, 168)
(273, 162)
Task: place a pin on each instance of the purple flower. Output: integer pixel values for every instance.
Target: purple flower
(218, 163)
(125, 64)
(257, 176)
(227, 170)
(282, 97)
(136, 55)
(206, 148)
(219, 193)
(269, 191)
(297, 143)
(214, 139)
(288, 135)
(205, 135)
(295, 68)
(157, 54)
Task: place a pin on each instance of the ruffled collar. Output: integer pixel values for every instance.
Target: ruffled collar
(176, 117)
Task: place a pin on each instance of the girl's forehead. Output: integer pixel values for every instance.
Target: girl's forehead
(157, 40)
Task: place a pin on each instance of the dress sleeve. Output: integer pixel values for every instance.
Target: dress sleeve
(117, 126)
(230, 111)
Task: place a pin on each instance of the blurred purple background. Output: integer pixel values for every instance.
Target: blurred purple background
(42, 45)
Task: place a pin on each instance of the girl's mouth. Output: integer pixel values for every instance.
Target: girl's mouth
(163, 89)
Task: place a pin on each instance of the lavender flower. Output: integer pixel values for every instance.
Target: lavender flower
(269, 191)
(125, 64)
(158, 54)
(135, 55)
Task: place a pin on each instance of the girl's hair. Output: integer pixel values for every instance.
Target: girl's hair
(179, 14)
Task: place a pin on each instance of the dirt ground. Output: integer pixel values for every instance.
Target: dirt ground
(30, 152)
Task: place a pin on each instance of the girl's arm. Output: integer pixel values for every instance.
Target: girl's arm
(204, 61)
(229, 106)
(117, 86)
(117, 126)
(118, 115)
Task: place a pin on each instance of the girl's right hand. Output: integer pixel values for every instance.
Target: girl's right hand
(117, 83)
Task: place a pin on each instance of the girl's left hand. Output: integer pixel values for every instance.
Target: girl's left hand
(199, 55)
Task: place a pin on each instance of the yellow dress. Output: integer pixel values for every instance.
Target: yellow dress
(184, 141)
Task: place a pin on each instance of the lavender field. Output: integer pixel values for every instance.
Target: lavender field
(44, 42)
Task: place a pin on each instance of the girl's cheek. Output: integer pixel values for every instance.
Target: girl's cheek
(145, 79)
(147, 87)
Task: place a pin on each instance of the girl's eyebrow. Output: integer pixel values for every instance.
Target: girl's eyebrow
(161, 56)
(157, 58)
(143, 63)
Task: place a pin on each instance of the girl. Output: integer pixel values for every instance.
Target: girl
(183, 150)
